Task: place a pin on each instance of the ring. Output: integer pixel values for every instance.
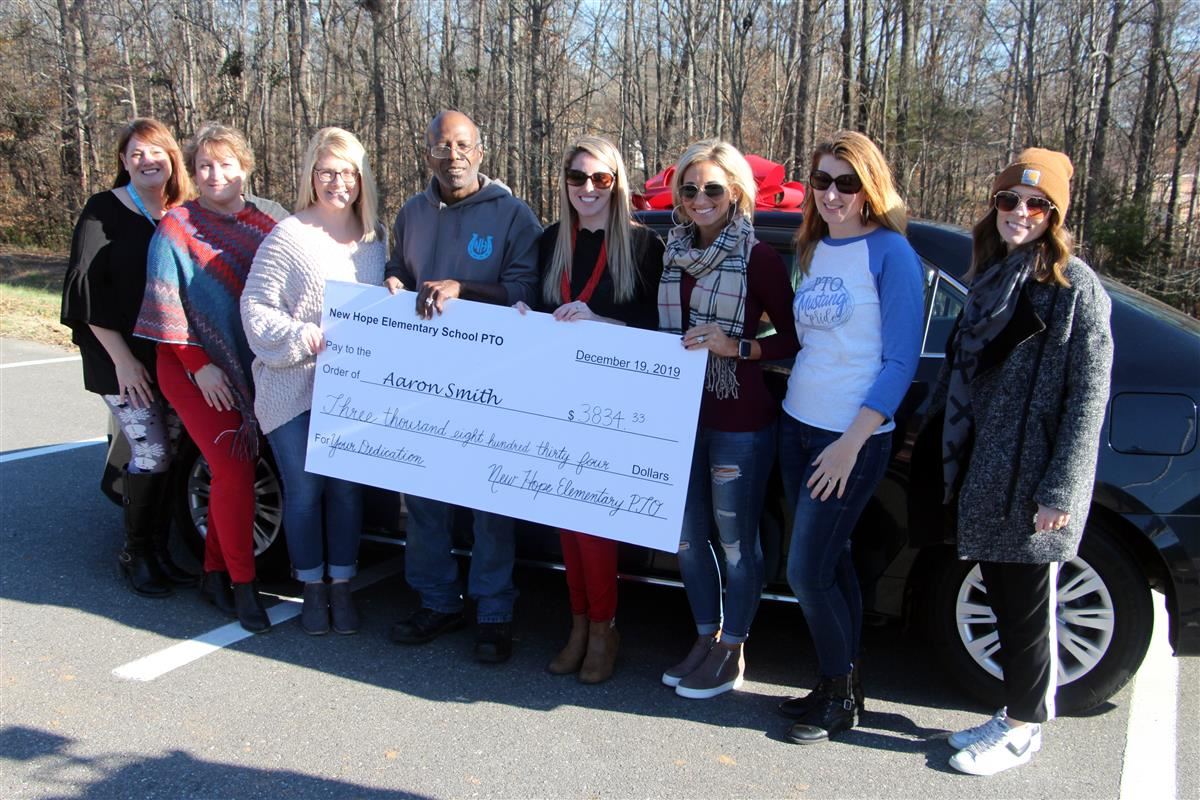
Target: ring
(829, 480)
(702, 338)
(429, 300)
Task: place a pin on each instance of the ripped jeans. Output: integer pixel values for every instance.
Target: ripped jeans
(725, 495)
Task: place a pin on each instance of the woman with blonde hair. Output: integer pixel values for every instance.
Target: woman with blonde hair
(718, 280)
(858, 312)
(1024, 389)
(197, 265)
(334, 235)
(102, 292)
(596, 264)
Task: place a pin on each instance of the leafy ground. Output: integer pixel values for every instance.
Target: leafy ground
(30, 295)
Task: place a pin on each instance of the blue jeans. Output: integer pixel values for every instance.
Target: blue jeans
(432, 570)
(725, 494)
(303, 493)
(819, 569)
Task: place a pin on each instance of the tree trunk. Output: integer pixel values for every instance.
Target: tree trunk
(1104, 111)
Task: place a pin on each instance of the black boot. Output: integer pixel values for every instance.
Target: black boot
(215, 588)
(162, 543)
(250, 611)
(798, 707)
(142, 491)
(837, 713)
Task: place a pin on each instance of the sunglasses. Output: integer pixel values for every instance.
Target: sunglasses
(711, 190)
(1034, 206)
(601, 180)
(846, 184)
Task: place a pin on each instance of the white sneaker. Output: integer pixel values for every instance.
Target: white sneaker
(964, 739)
(999, 750)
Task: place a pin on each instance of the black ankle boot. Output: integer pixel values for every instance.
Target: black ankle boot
(215, 588)
(799, 707)
(837, 713)
(249, 606)
(142, 492)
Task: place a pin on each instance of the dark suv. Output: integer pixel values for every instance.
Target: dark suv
(1143, 532)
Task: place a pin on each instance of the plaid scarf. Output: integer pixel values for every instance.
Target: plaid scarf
(719, 295)
(989, 308)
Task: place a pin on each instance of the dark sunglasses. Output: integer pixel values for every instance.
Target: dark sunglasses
(1009, 201)
(846, 184)
(711, 190)
(601, 180)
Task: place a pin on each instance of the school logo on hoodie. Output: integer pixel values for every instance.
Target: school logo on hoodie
(480, 247)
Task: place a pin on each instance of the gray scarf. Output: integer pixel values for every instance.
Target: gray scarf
(988, 310)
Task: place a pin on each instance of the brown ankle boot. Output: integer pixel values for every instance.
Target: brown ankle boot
(571, 656)
(601, 657)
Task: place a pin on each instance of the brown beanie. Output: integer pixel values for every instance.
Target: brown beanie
(1048, 170)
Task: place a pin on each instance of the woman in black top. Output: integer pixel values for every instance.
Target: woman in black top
(102, 293)
(596, 264)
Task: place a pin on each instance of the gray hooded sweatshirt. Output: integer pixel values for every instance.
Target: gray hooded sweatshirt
(489, 237)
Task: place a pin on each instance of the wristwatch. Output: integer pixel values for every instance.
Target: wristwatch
(744, 349)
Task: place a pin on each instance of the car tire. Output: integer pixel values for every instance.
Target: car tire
(191, 492)
(1105, 617)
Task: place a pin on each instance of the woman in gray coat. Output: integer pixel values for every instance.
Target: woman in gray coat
(1025, 388)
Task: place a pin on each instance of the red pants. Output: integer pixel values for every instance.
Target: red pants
(591, 564)
(229, 544)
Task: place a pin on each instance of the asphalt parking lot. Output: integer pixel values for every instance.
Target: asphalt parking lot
(108, 695)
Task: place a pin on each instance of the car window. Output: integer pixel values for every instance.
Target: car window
(946, 301)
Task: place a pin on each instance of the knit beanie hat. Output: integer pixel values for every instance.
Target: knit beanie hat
(1048, 170)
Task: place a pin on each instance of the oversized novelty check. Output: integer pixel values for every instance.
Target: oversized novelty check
(580, 425)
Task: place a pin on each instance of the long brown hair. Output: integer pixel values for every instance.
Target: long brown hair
(884, 206)
(179, 185)
(1054, 249)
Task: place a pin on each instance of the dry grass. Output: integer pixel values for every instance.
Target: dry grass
(30, 295)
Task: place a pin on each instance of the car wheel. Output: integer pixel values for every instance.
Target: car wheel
(1105, 617)
(193, 489)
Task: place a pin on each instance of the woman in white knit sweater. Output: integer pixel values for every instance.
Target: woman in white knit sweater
(334, 235)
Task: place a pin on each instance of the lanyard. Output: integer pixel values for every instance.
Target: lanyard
(597, 272)
(137, 201)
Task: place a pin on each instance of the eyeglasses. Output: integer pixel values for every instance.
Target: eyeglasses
(1036, 207)
(601, 180)
(348, 176)
(846, 184)
(711, 190)
(444, 151)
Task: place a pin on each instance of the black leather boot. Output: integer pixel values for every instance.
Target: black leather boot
(798, 707)
(142, 491)
(249, 605)
(215, 588)
(837, 713)
(162, 542)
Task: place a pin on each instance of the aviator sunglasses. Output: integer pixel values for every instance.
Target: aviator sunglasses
(846, 184)
(1036, 207)
(711, 190)
(601, 180)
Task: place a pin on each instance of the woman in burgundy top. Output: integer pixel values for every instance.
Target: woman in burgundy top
(596, 264)
(717, 282)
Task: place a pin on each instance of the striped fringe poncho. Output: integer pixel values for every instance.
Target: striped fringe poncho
(195, 271)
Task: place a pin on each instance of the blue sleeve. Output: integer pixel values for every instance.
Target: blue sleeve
(898, 278)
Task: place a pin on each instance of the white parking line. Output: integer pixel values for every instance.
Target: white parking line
(47, 450)
(1149, 766)
(40, 361)
(158, 664)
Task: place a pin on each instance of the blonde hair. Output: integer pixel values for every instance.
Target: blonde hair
(883, 204)
(215, 136)
(344, 145)
(618, 228)
(179, 186)
(1054, 249)
(731, 162)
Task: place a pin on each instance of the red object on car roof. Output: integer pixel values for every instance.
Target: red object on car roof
(773, 191)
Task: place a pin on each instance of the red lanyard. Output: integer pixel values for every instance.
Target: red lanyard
(597, 272)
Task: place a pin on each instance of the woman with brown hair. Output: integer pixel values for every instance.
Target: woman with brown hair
(102, 292)
(196, 269)
(1024, 389)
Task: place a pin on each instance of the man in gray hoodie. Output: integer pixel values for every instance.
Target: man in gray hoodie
(465, 236)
